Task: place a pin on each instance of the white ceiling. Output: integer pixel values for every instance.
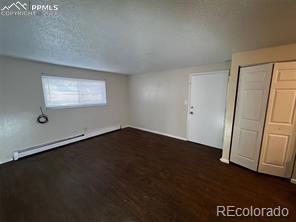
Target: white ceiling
(140, 36)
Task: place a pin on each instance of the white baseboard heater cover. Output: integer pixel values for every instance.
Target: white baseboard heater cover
(40, 148)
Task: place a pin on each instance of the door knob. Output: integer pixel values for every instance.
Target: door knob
(191, 113)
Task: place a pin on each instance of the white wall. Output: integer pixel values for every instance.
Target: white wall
(21, 86)
(157, 100)
(2, 110)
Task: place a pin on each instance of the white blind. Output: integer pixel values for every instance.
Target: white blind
(70, 92)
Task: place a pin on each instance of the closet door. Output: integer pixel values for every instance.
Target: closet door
(278, 147)
(251, 105)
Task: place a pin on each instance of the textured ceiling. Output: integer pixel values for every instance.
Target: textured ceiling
(139, 36)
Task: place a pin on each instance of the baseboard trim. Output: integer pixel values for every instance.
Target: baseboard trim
(224, 160)
(37, 149)
(293, 181)
(124, 126)
(102, 131)
(159, 133)
(6, 161)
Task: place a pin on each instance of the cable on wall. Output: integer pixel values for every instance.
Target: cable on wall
(42, 119)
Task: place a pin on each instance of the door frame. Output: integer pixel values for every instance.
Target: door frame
(225, 72)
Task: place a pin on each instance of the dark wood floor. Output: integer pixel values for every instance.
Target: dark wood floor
(131, 175)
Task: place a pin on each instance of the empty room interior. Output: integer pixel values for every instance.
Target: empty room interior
(147, 110)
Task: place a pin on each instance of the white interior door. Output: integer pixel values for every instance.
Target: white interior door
(207, 107)
(278, 147)
(251, 105)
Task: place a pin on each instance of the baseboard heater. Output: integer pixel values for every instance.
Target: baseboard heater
(40, 148)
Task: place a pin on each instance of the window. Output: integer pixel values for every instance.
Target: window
(62, 92)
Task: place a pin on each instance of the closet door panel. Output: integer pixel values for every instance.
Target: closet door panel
(252, 96)
(278, 147)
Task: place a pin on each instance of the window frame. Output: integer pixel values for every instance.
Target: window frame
(73, 106)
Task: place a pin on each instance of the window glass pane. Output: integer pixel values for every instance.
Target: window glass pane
(67, 92)
(91, 92)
